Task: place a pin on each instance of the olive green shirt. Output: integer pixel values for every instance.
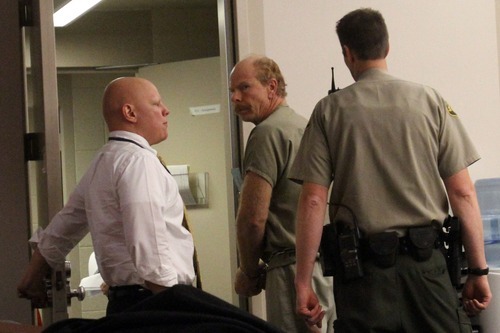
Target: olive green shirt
(269, 153)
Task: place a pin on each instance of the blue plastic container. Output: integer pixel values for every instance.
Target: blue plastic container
(488, 195)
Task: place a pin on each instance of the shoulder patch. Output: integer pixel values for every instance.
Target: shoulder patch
(450, 110)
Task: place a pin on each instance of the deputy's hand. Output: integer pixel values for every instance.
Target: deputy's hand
(308, 307)
(476, 295)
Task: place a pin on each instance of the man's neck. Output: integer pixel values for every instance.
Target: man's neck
(273, 106)
(363, 66)
(276, 103)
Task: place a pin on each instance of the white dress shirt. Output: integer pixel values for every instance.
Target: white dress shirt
(132, 208)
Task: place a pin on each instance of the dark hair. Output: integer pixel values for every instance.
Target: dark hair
(268, 69)
(364, 32)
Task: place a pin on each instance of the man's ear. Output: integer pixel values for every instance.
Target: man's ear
(272, 87)
(348, 54)
(129, 113)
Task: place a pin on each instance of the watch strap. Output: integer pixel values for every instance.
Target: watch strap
(478, 271)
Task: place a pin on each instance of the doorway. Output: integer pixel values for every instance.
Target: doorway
(183, 49)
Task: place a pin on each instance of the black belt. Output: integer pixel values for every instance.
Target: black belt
(384, 247)
(404, 246)
(129, 291)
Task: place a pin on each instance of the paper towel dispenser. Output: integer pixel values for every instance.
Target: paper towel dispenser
(193, 187)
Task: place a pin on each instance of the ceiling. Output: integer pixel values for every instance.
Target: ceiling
(147, 4)
(130, 6)
(114, 5)
(130, 17)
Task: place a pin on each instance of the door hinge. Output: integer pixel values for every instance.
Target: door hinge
(25, 14)
(33, 146)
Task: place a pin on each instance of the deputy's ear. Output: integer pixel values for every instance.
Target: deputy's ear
(348, 54)
(129, 113)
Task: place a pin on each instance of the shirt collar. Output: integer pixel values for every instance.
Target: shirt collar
(134, 137)
(374, 74)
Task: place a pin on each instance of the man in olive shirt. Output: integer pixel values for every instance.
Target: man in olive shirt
(387, 145)
(268, 200)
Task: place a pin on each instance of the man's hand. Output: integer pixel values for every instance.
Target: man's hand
(476, 295)
(249, 285)
(32, 285)
(104, 288)
(308, 307)
(34, 291)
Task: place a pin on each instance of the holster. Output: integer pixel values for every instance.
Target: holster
(453, 251)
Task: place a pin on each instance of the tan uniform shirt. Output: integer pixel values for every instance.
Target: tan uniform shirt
(386, 144)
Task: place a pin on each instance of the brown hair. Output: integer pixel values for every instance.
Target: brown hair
(364, 32)
(268, 69)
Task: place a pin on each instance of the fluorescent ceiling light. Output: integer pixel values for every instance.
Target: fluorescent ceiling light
(72, 10)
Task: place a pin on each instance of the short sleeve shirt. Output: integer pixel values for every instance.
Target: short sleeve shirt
(386, 144)
(269, 153)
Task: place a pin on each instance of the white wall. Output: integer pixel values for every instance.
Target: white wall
(450, 45)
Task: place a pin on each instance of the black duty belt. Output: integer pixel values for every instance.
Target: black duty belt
(383, 247)
(404, 246)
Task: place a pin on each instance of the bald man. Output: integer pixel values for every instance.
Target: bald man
(128, 202)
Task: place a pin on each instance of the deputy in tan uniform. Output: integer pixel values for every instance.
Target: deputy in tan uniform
(387, 145)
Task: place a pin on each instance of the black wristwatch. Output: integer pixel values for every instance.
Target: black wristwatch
(478, 271)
